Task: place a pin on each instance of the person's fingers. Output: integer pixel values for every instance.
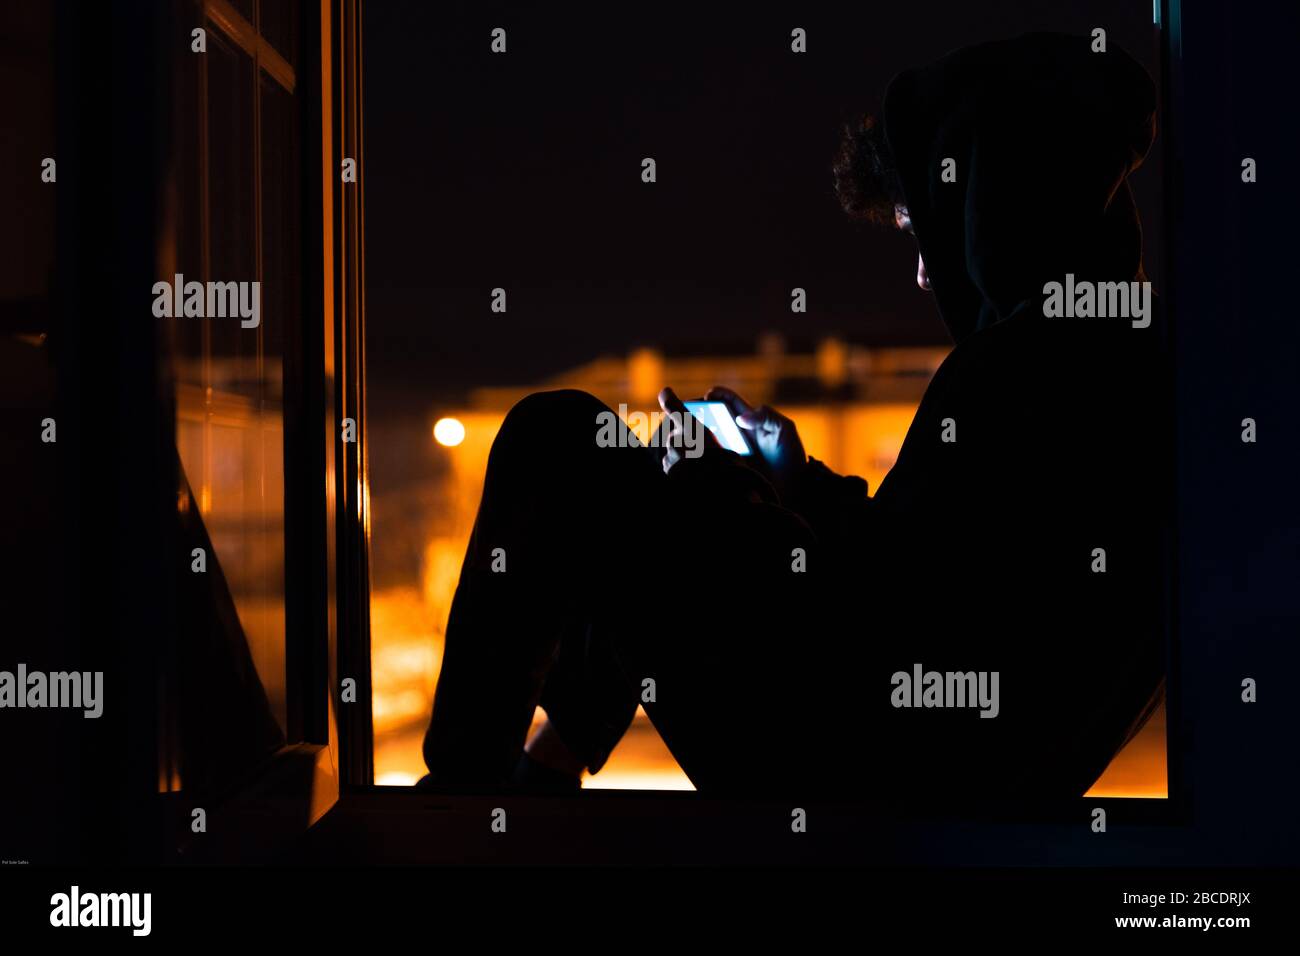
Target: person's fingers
(669, 401)
(763, 417)
(677, 419)
(674, 412)
(737, 405)
(674, 420)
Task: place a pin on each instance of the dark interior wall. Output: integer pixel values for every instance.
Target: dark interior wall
(27, 119)
(1237, 356)
(85, 517)
(34, 580)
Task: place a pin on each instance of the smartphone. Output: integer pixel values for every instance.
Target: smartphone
(717, 419)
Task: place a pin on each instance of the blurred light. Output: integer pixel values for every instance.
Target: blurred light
(396, 779)
(832, 362)
(449, 432)
(669, 779)
(645, 374)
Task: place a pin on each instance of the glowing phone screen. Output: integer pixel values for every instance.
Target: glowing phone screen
(717, 418)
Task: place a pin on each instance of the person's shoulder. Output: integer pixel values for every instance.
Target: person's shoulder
(1030, 346)
(1069, 374)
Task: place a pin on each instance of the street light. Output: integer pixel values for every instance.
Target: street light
(449, 432)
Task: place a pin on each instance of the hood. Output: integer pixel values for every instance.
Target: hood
(1044, 133)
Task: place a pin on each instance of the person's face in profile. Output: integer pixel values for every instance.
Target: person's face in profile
(904, 222)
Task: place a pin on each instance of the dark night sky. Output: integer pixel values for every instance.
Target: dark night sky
(523, 171)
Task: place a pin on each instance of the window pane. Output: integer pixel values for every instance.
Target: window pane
(236, 430)
(280, 217)
(232, 249)
(245, 8)
(280, 27)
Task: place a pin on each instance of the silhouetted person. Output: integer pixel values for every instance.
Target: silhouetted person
(1017, 534)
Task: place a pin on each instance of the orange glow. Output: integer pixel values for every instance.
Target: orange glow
(1140, 769)
(641, 761)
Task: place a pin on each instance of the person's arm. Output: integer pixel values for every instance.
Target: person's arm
(834, 505)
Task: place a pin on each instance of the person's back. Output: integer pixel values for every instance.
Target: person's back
(1018, 533)
(1028, 547)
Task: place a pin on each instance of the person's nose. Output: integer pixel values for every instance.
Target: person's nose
(922, 279)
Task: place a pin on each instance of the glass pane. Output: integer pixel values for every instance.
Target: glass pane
(280, 27)
(229, 417)
(245, 8)
(232, 244)
(281, 204)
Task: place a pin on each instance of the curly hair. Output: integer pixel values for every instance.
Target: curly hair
(866, 181)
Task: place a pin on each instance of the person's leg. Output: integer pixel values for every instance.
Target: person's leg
(588, 699)
(734, 647)
(550, 545)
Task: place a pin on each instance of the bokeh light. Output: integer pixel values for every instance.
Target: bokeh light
(449, 432)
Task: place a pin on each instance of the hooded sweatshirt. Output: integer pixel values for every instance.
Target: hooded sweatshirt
(1020, 530)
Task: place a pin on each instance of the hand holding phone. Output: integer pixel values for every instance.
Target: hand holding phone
(764, 437)
(770, 434)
